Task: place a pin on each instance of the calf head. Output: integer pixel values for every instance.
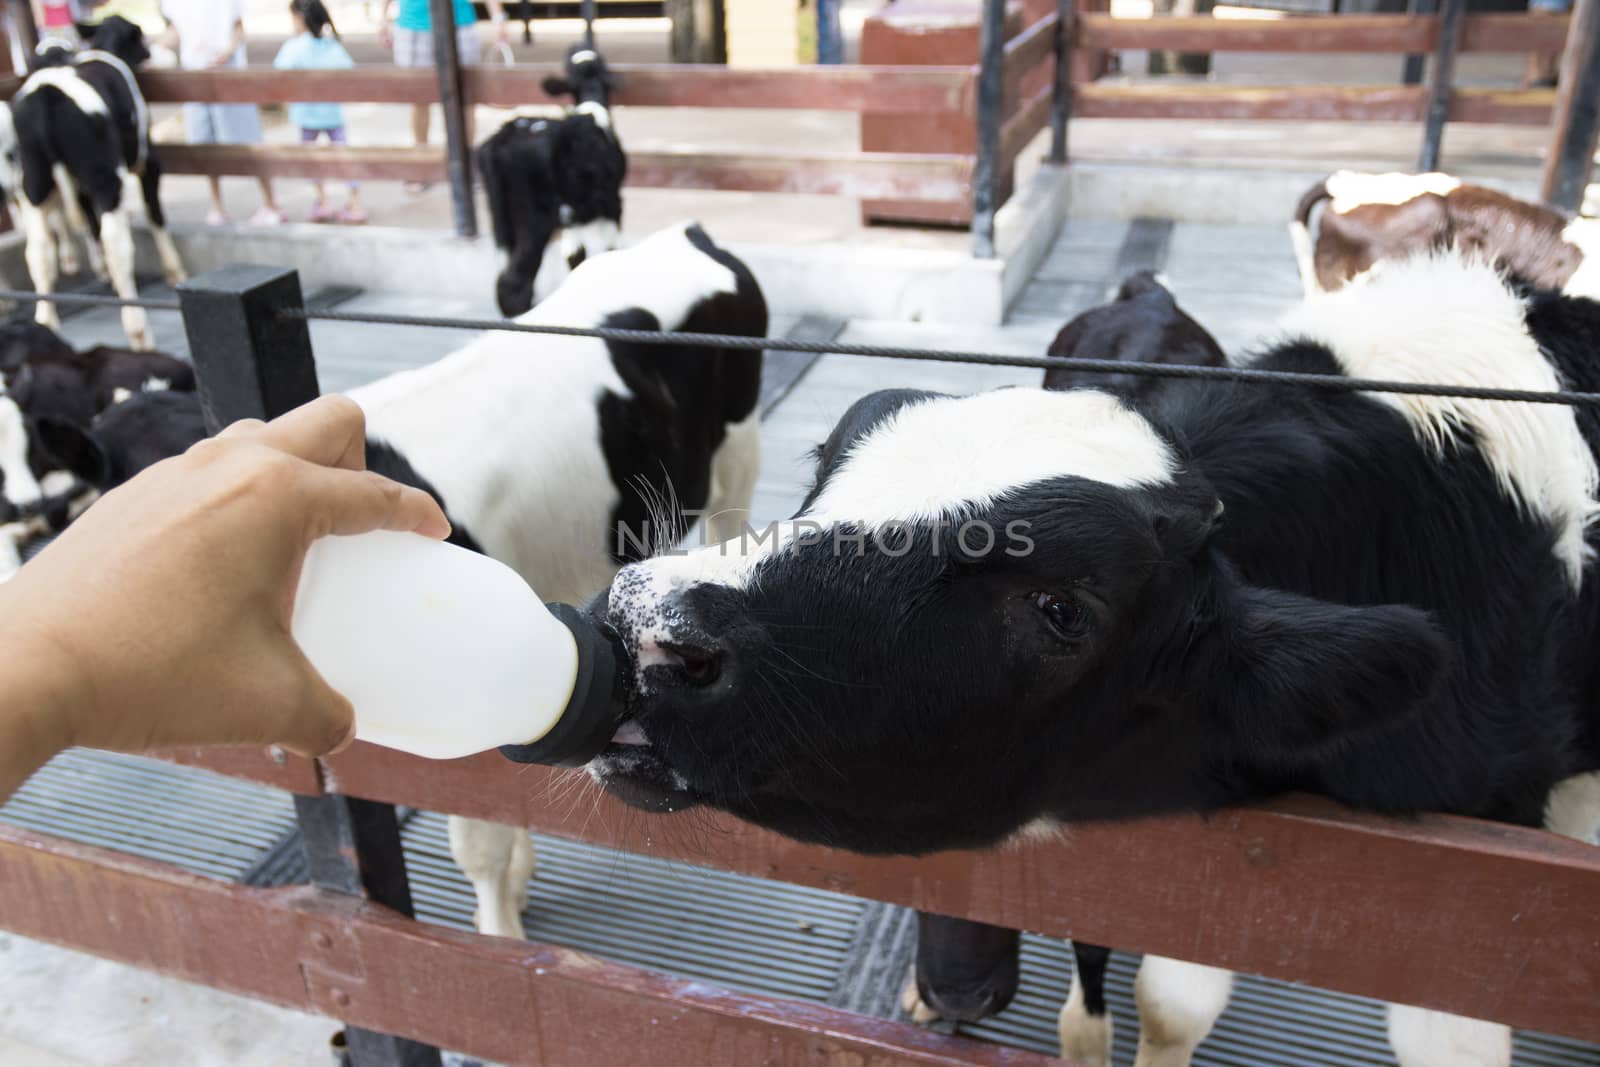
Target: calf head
(585, 77)
(990, 610)
(121, 38)
(1144, 324)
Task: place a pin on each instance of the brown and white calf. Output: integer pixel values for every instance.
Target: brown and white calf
(1368, 218)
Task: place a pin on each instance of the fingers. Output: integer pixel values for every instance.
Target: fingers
(331, 431)
(353, 502)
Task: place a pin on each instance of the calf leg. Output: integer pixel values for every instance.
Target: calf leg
(1085, 1026)
(498, 860)
(1423, 1038)
(965, 971)
(1178, 1002)
(734, 470)
(150, 184)
(40, 254)
(116, 234)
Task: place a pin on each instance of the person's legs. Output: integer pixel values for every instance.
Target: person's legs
(200, 127)
(469, 50)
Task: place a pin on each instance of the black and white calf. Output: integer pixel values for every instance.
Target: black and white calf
(1079, 611)
(76, 139)
(560, 456)
(546, 177)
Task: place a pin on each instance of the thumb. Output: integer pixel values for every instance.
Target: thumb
(322, 721)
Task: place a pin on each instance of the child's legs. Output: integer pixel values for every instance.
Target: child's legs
(310, 136)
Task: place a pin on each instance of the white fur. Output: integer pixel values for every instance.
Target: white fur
(1351, 189)
(1584, 234)
(116, 236)
(54, 483)
(512, 466)
(597, 111)
(1573, 808)
(39, 252)
(987, 445)
(21, 487)
(1304, 257)
(68, 81)
(1423, 1038)
(1179, 1002)
(582, 55)
(12, 535)
(594, 237)
(1450, 320)
(498, 860)
(1085, 1039)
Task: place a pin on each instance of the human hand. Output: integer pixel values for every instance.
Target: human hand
(161, 617)
(385, 33)
(502, 32)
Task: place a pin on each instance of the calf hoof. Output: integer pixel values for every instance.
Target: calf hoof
(1085, 1038)
(45, 315)
(69, 259)
(912, 1004)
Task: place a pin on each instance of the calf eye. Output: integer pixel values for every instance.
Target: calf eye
(1067, 615)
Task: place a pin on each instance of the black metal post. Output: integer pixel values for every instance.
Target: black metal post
(26, 31)
(1411, 70)
(1061, 88)
(1441, 82)
(452, 98)
(1576, 122)
(586, 10)
(254, 362)
(985, 171)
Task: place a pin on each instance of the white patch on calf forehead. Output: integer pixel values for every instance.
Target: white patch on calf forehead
(21, 487)
(948, 457)
(936, 459)
(1449, 319)
(594, 237)
(1351, 189)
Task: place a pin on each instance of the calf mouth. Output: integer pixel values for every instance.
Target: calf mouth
(632, 770)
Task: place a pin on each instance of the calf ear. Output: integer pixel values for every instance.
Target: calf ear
(1300, 676)
(74, 450)
(554, 86)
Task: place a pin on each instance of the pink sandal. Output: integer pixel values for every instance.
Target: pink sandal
(352, 216)
(321, 212)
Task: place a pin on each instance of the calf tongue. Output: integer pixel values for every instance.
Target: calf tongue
(629, 733)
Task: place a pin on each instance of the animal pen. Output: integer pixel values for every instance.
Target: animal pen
(1478, 919)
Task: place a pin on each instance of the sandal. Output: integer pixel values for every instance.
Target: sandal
(352, 216)
(321, 212)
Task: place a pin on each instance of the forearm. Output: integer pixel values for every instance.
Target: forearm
(497, 10)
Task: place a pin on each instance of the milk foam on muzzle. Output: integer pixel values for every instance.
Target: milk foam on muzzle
(444, 652)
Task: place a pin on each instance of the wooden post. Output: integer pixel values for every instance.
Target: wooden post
(699, 31)
(1577, 113)
(255, 362)
(452, 97)
(985, 172)
(24, 32)
(1441, 82)
(1061, 86)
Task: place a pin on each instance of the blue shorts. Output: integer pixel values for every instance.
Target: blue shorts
(222, 123)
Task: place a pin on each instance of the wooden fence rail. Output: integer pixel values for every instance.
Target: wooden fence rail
(1480, 919)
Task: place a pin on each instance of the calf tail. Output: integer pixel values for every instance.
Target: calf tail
(1300, 236)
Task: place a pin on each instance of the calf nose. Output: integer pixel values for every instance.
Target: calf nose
(696, 664)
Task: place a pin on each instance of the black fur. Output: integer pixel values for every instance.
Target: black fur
(1362, 620)
(1144, 325)
(683, 398)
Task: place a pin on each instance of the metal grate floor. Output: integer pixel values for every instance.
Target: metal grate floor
(734, 930)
